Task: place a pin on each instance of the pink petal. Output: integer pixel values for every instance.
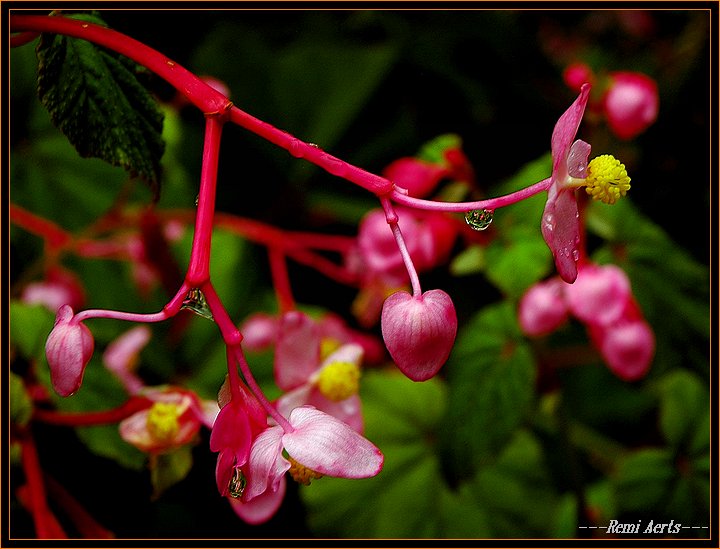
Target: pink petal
(297, 354)
(600, 294)
(330, 447)
(565, 130)
(348, 411)
(232, 431)
(561, 231)
(543, 308)
(293, 399)
(267, 465)
(224, 470)
(419, 332)
(628, 349)
(69, 348)
(578, 159)
(261, 508)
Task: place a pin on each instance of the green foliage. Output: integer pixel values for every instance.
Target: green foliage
(95, 98)
(21, 405)
(169, 468)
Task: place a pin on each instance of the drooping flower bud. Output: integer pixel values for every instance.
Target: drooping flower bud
(576, 74)
(419, 332)
(543, 308)
(631, 103)
(599, 295)
(628, 348)
(68, 349)
(418, 177)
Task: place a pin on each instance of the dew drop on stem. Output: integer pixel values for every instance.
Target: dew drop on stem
(479, 220)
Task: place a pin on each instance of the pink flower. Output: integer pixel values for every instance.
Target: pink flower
(259, 331)
(318, 445)
(121, 356)
(631, 103)
(171, 420)
(328, 383)
(240, 420)
(419, 332)
(628, 348)
(69, 348)
(543, 308)
(418, 177)
(599, 295)
(560, 224)
(576, 74)
(59, 288)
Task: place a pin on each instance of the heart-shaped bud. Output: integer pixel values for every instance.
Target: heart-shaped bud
(68, 349)
(419, 332)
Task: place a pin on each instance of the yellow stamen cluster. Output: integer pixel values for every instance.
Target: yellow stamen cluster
(162, 421)
(339, 380)
(328, 345)
(607, 179)
(301, 474)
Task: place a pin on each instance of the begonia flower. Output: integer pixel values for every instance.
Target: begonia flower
(329, 383)
(599, 294)
(543, 308)
(630, 103)
(60, 287)
(627, 347)
(173, 418)
(318, 445)
(121, 356)
(419, 331)
(69, 348)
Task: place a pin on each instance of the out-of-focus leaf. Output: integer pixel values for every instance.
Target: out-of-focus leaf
(169, 468)
(94, 97)
(29, 327)
(684, 405)
(21, 406)
(470, 261)
(409, 498)
(644, 480)
(491, 373)
(434, 150)
(510, 491)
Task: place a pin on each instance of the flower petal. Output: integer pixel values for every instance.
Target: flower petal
(267, 465)
(578, 159)
(566, 128)
(561, 231)
(297, 354)
(330, 447)
(261, 508)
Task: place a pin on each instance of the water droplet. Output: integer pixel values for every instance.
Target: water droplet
(479, 220)
(576, 255)
(237, 483)
(314, 146)
(197, 200)
(195, 302)
(549, 222)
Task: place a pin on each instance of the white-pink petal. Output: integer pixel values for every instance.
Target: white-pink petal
(266, 465)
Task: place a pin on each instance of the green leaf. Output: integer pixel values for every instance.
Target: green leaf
(684, 407)
(21, 406)
(409, 497)
(491, 372)
(29, 327)
(434, 150)
(169, 468)
(95, 98)
(470, 261)
(644, 480)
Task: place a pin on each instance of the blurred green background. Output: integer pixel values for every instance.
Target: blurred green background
(500, 445)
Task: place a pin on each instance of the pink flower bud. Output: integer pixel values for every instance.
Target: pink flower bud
(543, 308)
(259, 331)
(631, 103)
(420, 178)
(69, 348)
(419, 332)
(599, 294)
(576, 74)
(628, 348)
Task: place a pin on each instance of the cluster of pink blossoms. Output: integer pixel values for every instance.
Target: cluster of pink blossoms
(315, 428)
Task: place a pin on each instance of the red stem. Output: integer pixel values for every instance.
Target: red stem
(281, 280)
(54, 236)
(84, 419)
(86, 525)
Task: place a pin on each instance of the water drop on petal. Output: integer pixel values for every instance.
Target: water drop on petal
(479, 220)
(237, 483)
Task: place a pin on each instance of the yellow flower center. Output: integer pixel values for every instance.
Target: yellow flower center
(328, 345)
(302, 474)
(162, 421)
(339, 380)
(607, 179)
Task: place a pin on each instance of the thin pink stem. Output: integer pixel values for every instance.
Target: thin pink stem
(53, 235)
(200, 94)
(489, 204)
(281, 280)
(199, 268)
(299, 149)
(392, 219)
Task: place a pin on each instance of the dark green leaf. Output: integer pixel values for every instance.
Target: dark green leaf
(491, 373)
(684, 405)
(21, 406)
(95, 98)
(29, 327)
(434, 150)
(170, 468)
(645, 480)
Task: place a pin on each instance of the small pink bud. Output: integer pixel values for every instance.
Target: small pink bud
(599, 295)
(259, 331)
(420, 178)
(631, 103)
(419, 332)
(69, 348)
(628, 348)
(576, 74)
(543, 308)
